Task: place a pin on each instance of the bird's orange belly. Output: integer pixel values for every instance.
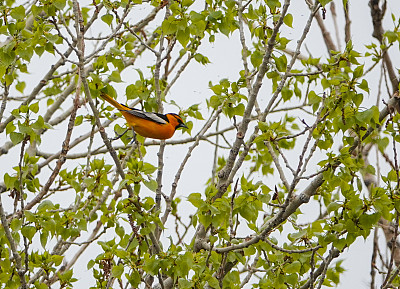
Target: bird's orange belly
(160, 132)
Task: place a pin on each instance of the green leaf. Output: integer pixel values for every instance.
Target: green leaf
(256, 58)
(340, 243)
(78, 120)
(117, 271)
(357, 99)
(215, 15)
(16, 224)
(364, 85)
(148, 168)
(325, 83)
(115, 76)
(195, 17)
(18, 12)
(151, 185)
(273, 4)
(16, 137)
(288, 20)
(230, 279)
(20, 86)
(9, 79)
(358, 72)
(41, 286)
(185, 262)
(286, 93)
(45, 206)
(39, 124)
(107, 18)
(120, 231)
(333, 206)
(187, 3)
(39, 49)
(369, 115)
(200, 58)
(152, 265)
(43, 238)
(367, 221)
(90, 264)
(169, 26)
(391, 36)
(392, 176)
(293, 267)
(131, 91)
(57, 259)
(324, 2)
(313, 98)
(297, 235)
(195, 199)
(183, 36)
(263, 126)
(59, 4)
(30, 217)
(184, 283)
(292, 279)
(213, 282)
(28, 232)
(217, 89)
(51, 37)
(66, 276)
(382, 143)
(281, 63)
(34, 107)
(36, 10)
(239, 109)
(10, 128)
(224, 27)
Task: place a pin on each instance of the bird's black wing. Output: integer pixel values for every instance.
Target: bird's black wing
(156, 117)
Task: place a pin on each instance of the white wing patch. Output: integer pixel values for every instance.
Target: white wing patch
(147, 115)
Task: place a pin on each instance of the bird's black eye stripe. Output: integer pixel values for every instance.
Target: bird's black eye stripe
(179, 119)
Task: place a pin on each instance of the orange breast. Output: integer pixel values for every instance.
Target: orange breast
(147, 128)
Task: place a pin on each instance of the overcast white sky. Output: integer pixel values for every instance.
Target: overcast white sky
(193, 88)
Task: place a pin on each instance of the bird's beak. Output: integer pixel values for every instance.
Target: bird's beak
(182, 125)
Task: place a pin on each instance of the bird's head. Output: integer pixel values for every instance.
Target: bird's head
(175, 120)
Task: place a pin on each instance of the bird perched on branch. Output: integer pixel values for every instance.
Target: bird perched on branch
(148, 124)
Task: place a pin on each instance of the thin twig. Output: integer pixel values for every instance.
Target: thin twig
(13, 246)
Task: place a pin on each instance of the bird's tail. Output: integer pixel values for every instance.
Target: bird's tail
(112, 101)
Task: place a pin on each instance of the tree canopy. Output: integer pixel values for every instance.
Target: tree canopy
(289, 157)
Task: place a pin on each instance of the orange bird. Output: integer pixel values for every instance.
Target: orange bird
(148, 124)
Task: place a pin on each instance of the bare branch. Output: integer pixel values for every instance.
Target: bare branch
(13, 246)
(330, 45)
(377, 14)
